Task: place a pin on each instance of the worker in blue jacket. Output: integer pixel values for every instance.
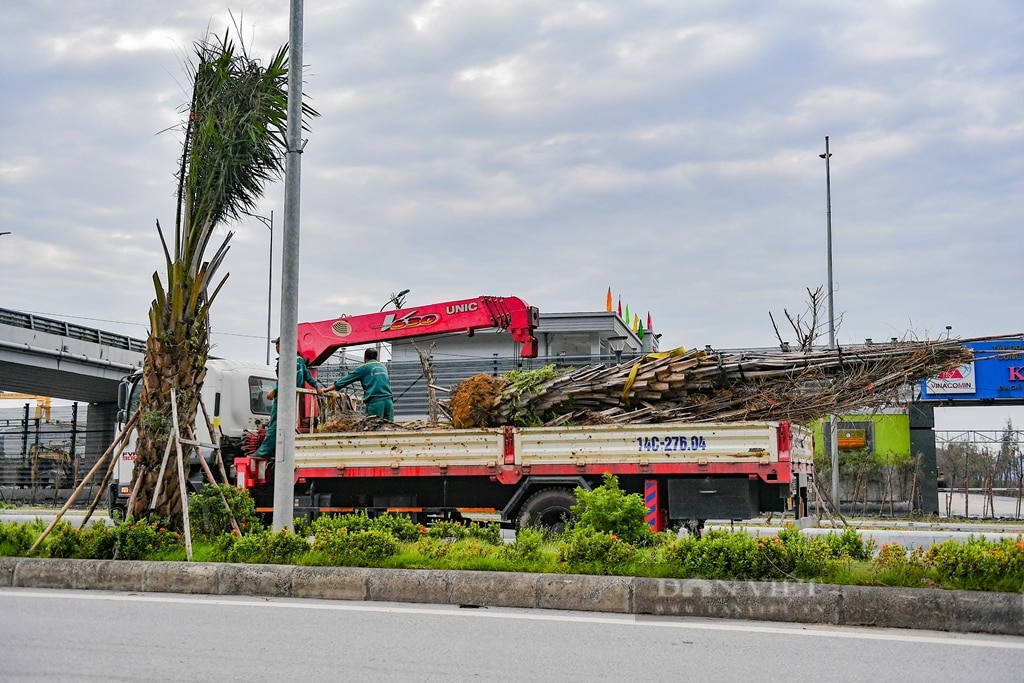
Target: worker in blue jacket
(303, 377)
(373, 376)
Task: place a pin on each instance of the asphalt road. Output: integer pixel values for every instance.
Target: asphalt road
(51, 635)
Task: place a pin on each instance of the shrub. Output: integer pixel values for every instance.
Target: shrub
(895, 567)
(977, 564)
(434, 548)
(527, 546)
(725, 555)
(137, 540)
(849, 545)
(63, 540)
(488, 533)
(16, 539)
(400, 526)
(610, 510)
(363, 548)
(209, 518)
(350, 522)
(445, 529)
(262, 547)
(589, 551)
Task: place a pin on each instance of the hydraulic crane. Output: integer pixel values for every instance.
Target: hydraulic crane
(317, 341)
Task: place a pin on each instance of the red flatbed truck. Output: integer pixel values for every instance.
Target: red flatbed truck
(687, 473)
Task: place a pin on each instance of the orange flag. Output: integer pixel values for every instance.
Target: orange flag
(608, 303)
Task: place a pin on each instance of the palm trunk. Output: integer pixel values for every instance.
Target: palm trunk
(166, 368)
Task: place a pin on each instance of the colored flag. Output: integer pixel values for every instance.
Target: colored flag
(620, 306)
(636, 322)
(640, 332)
(650, 325)
(608, 303)
(627, 319)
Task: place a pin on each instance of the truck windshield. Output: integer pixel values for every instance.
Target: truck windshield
(259, 404)
(135, 397)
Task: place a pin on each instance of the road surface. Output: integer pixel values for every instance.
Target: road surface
(52, 635)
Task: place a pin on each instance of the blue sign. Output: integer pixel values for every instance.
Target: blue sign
(995, 374)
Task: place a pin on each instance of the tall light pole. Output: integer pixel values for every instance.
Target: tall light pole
(269, 223)
(828, 223)
(833, 425)
(287, 406)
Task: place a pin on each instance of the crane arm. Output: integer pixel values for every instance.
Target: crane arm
(317, 341)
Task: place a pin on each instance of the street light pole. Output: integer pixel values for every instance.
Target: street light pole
(832, 423)
(828, 222)
(270, 273)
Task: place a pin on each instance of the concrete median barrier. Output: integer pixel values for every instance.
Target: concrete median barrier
(811, 603)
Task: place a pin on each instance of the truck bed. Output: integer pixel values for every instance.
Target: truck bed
(750, 443)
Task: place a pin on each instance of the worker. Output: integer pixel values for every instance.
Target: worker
(373, 376)
(302, 377)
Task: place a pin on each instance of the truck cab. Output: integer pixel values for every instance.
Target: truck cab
(234, 393)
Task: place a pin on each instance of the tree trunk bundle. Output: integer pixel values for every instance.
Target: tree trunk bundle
(708, 385)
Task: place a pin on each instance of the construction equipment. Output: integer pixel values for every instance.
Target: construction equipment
(42, 402)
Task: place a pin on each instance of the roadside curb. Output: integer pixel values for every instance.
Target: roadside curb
(811, 603)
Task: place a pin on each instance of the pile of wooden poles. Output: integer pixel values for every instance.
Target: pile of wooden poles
(708, 385)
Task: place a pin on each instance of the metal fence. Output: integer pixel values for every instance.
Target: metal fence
(43, 457)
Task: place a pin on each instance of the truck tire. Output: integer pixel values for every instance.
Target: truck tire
(547, 509)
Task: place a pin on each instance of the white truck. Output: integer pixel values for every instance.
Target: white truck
(235, 394)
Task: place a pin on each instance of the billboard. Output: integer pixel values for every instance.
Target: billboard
(995, 374)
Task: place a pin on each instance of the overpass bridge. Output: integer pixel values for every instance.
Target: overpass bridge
(53, 358)
(47, 357)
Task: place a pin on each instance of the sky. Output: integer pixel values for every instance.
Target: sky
(549, 150)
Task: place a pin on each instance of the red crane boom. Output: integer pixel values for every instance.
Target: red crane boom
(318, 341)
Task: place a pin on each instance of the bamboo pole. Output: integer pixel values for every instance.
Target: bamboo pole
(78, 490)
(176, 435)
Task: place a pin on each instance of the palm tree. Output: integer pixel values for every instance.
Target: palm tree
(234, 142)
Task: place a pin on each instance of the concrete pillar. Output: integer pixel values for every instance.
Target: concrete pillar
(100, 425)
(922, 445)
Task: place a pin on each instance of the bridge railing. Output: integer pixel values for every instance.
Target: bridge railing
(66, 329)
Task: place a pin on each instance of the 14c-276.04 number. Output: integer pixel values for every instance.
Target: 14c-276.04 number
(667, 444)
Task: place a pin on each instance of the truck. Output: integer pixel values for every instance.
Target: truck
(686, 473)
(235, 394)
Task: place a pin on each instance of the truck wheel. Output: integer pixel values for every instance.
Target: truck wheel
(547, 509)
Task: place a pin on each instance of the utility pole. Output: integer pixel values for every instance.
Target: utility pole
(833, 424)
(287, 413)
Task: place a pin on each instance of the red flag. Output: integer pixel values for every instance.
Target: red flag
(608, 303)
(650, 325)
(620, 306)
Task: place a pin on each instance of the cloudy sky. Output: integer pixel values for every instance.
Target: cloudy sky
(548, 150)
